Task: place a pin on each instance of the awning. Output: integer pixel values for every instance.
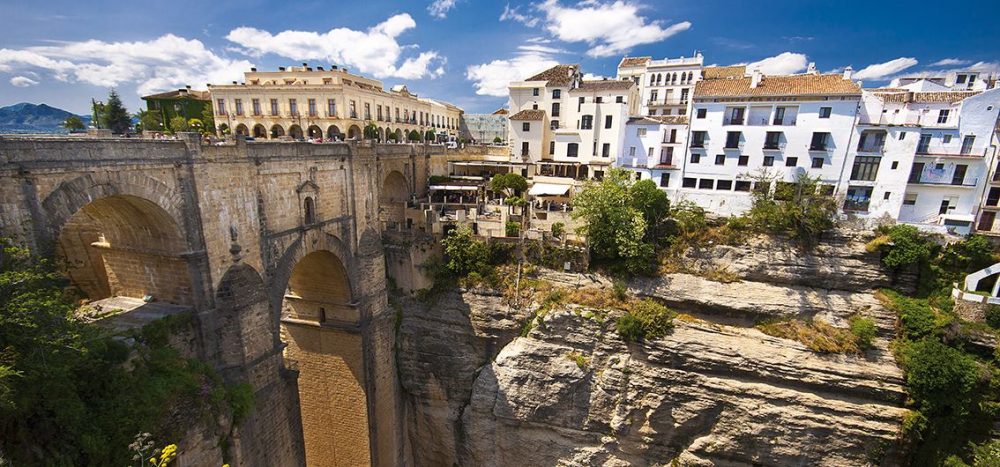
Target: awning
(548, 189)
(959, 217)
(454, 187)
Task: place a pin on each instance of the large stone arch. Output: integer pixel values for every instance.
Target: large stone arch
(320, 327)
(394, 192)
(243, 318)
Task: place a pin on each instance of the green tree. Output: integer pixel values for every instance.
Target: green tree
(73, 123)
(370, 131)
(509, 184)
(150, 121)
(799, 209)
(465, 253)
(941, 379)
(414, 135)
(208, 120)
(654, 205)
(115, 116)
(178, 124)
(429, 136)
(907, 246)
(497, 140)
(196, 125)
(614, 228)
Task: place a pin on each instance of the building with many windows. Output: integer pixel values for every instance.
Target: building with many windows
(747, 128)
(923, 154)
(569, 128)
(665, 86)
(488, 128)
(654, 148)
(306, 102)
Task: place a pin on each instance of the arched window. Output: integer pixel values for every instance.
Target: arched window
(310, 211)
(652, 80)
(690, 76)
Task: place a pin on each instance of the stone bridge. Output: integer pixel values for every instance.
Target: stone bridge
(276, 247)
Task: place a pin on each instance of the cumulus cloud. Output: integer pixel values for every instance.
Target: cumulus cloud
(376, 51)
(883, 70)
(439, 8)
(609, 28)
(984, 67)
(492, 79)
(514, 14)
(167, 62)
(950, 62)
(22, 81)
(784, 63)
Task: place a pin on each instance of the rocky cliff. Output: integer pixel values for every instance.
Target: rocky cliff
(715, 391)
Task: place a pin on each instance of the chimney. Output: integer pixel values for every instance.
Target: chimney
(281, 68)
(848, 72)
(253, 69)
(333, 67)
(234, 83)
(755, 78)
(319, 68)
(908, 97)
(187, 87)
(811, 69)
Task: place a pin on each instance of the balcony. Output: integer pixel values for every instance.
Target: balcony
(784, 122)
(874, 148)
(698, 144)
(731, 146)
(962, 182)
(733, 121)
(856, 205)
(774, 146)
(354, 114)
(941, 151)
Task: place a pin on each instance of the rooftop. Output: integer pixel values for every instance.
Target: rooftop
(606, 85)
(559, 75)
(659, 119)
(719, 72)
(786, 85)
(180, 94)
(633, 61)
(529, 114)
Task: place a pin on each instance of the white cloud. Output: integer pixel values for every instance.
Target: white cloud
(22, 81)
(374, 52)
(983, 67)
(439, 8)
(164, 63)
(542, 49)
(950, 62)
(878, 71)
(514, 14)
(609, 28)
(492, 79)
(784, 63)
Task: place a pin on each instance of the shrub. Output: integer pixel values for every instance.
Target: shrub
(465, 253)
(816, 335)
(646, 319)
(799, 209)
(558, 229)
(917, 318)
(940, 379)
(906, 246)
(993, 316)
(615, 229)
(512, 229)
(864, 331)
(581, 361)
(620, 290)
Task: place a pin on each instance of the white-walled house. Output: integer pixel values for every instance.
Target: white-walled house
(922, 155)
(665, 86)
(654, 148)
(744, 126)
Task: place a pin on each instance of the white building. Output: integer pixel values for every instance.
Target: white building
(568, 128)
(962, 80)
(665, 86)
(922, 154)
(487, 128)
(747, 125)
(654, 148)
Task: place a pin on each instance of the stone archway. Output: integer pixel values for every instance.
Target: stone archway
(242, 129)
(277, 131)
(393, 195)
(318, 319)
(354, 132)
(259, 131)
(243, 319)
(126, 246)
(315, 132)
(295, 132)
(333, 133)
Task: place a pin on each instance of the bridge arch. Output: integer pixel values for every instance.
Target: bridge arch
(319, 324)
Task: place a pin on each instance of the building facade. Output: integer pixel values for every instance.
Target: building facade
(186, 103)
(654, 148)
(488, 128)
(306, 102)
(665, 86)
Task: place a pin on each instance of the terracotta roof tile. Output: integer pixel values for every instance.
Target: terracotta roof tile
(791, 85)
(633, 61)
(719, 72)
(606, 85)
(924, 97)
(529, 114)
(559, 75)
(501, 112)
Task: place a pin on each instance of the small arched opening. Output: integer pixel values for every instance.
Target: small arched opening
(295, 132)
(308, 211)
(354, 132)
(242, 130)
(259, 131)
(333, 132)
(315, 132)
(277, 131)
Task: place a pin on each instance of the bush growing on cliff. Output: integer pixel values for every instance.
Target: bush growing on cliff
(464, 253)
(800, 209)
(941, 379)
(864, 331)
(645, 319)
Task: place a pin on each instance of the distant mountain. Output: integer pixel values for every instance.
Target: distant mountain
(32, 118)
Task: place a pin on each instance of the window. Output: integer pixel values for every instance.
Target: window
(598, 100)
(772, 140)
(886, 195)
(649, 153)
(724, 185)
(819, 141)
(946, 139)
(673, 136)
(631, 151)
(293, 107)
(556, 93)
(555, 109)
(902, 135)
(695, 158)
(667, 156)
(768, 161)
(824, 112)
(354, 111)
(534, 92)
(368, 113)
(526, 126)
(960, 79)
(706, 183)
(732, 139)
(310, 211)
(858, 198)
(572, 150)
(924, 144)
(606, 150)
(579, 104)
(720, 159)
(895, 165)
(779, 115)
(640, 131)
(552, 147)
(221, 105)
(743, 161)
(916, 172)
(619, 99)
(554, 125)
(734, 115)
(817, 163)
(664, 180)
(958, 178)
(742, 185)
(791, 161)
(274, 107)
(943, 115)
(865, 168)
(909, 199)
(689, 182)
(607, 121)
(312, 107)
(993, 198)
(587, 122)
(255, 104)
(239, 106)
(698, 139)
(701, 113)
(967, 143)
(524, 148)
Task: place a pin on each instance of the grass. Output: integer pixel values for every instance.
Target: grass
(815, 335)
(581, 362)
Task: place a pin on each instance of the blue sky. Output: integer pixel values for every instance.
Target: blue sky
(463, 51)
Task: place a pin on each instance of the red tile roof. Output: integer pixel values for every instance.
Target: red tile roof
(790, 85)
(529, 114)
(633, 61)
(606, 85)
(718, 72)
(559, 75)
(937, 97)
